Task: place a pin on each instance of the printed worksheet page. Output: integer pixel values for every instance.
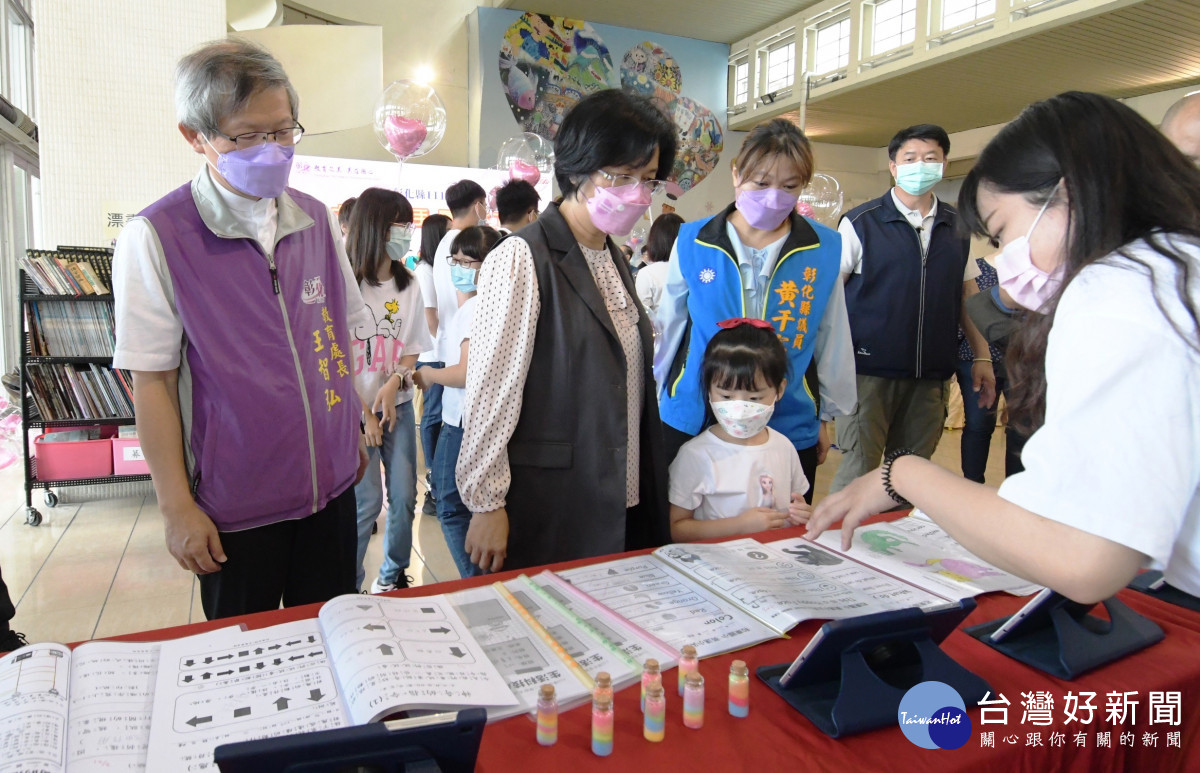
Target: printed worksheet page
(782, 591)
(635, 643)
(669, 605)
(921, 552)
(584, 643)
(34, 682)
(517, 651)
(112, 699)
(237, 685)
(398, 654)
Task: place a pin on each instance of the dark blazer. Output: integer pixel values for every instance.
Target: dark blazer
(568, 452)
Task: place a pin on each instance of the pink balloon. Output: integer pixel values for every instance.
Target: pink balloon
(804, 208)
(404, 135)
(523, 170)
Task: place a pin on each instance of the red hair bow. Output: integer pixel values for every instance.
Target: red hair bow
(736, 321)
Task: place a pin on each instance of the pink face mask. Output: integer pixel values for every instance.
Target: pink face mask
(1028, 285)
(615, 210)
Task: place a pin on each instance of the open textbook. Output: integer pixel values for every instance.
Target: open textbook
(87, 710)
(725, 596)
(167, 706)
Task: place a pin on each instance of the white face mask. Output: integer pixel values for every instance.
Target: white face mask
(742, 419)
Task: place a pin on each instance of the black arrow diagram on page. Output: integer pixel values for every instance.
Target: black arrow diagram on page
(316, 695)
(386, 650)
(443, 629)
(456, 652)
(373, 627)
(194, 721)
(281, 704)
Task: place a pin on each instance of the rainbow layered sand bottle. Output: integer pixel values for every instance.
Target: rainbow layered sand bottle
(688, 662)
(602, 727)
(547, 716)
(651, 675)
(654, 715)
(739, 689)
(693, 701)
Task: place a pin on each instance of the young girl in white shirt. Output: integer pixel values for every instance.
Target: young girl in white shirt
(384, 352)
(1098, 216)
(467, 252)
(739, 476)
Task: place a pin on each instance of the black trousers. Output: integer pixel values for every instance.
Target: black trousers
(297, 562)
(7, 610)
(673, 440)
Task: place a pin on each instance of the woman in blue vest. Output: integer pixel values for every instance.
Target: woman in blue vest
(760, 259)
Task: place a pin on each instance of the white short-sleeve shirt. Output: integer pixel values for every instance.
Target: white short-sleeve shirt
(718, 479)
(1119, 453)
(396, 329)
(460, 330)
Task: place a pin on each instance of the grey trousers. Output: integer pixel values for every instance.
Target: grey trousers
(892, 413)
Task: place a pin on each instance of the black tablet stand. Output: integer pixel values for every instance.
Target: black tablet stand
(895, 652)
(1068, 641)
(442, 742)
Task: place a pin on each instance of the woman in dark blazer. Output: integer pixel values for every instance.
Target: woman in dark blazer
(561, 453)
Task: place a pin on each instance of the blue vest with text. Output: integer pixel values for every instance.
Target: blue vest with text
(797, 293)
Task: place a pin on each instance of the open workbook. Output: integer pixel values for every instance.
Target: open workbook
(167, 706)
(87, 710)
(725, 596)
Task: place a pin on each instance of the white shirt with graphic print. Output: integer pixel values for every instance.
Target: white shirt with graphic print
(395, 328)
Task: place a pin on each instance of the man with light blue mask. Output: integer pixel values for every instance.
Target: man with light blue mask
(906, 270)
(234, 306)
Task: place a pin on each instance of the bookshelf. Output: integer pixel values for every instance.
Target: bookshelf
(67, 378)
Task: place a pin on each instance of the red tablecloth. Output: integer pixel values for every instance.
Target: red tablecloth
(774, 737)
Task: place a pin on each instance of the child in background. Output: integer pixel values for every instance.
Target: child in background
(385, 352)
(739, 476)
(467, 252)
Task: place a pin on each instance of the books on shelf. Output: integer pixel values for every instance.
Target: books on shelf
(65, 392)
(367, 658)
(66, 329)
(67, 273)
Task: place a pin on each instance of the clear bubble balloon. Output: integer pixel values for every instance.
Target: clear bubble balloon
(410, 119)
(526, 157)
(822, 198)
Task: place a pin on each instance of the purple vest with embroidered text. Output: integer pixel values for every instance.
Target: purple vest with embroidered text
(274, 416)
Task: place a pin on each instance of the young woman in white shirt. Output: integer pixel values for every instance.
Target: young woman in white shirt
(384, 354)
(1099, 220)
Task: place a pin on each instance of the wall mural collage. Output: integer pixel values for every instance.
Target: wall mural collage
(548, 63)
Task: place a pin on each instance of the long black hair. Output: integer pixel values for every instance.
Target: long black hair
(433, 230)
(1122, 182)
(663, 233)
(376, 210)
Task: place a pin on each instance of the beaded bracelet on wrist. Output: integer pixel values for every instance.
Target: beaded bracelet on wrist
(887, 475)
